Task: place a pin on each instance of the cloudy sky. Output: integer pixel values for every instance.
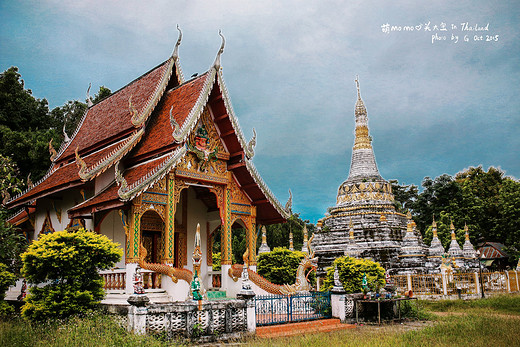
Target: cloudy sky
(438, 100)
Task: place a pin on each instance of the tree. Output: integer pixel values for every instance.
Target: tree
(12, 242)
(405, 195)
(69, 115)
(280, 265)
(103, 93)
(27, 126)
(509, 217)
(6, 279)
(19, 109)
(238, 244)
(67, 263)
(351, 272)
(480, 207)
(278, 234)
(443, 194)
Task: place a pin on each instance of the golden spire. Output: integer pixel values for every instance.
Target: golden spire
(452, 228)
(466, 230)
(305, 234)
(434, 227)
(363, 163)
(357, 86)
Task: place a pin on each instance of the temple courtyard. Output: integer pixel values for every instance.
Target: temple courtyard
(442, 323)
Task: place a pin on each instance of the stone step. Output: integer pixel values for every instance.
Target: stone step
(156, 296)
(300, 328)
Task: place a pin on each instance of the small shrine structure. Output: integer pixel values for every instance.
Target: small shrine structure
(148, 163)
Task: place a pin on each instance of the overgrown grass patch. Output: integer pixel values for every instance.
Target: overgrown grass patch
(466, 330)
(508, 304)
(93, 330)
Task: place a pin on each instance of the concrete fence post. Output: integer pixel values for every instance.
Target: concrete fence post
(517, 282)
(137, 313)
(337, 303)
(444, 284)
(507, 282)
(477, 283)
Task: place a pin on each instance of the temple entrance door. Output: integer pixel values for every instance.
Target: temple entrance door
(152, 228)
(239, 241)
(152, 243)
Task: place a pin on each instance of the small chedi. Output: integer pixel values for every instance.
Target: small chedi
(364, 223)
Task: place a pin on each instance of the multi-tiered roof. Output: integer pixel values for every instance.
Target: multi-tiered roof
(140, 132)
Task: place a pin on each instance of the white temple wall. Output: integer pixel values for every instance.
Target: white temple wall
(55, 207)
(112, 228)
(103, 180)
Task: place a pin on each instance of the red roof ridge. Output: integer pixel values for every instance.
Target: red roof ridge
(87, 173)
(180, 132)
(127, 192)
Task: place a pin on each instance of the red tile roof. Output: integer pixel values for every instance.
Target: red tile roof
(60, 178)
(109, 195)
(180, 101)
(112, 114)
(21, 216)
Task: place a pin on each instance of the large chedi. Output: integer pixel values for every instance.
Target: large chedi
(366, 199)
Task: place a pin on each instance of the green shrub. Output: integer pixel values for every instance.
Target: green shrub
(351, 271)
(67, 262)
(280, 265)
(6, 279)
(216, 266)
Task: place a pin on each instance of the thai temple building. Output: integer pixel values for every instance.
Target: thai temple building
(365, 224)
(145, 166)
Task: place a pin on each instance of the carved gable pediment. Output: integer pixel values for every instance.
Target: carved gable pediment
(206, 154)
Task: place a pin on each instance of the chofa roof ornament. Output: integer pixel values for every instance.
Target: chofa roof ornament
(52, 151)
(250, 148)
(216, 64)
(175, 53)
(288, 204)
(89, 100)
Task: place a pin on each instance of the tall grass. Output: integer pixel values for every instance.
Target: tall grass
(507, 304)
(90, 331)
(468, 330)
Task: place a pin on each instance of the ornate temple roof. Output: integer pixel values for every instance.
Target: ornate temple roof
(145, 126)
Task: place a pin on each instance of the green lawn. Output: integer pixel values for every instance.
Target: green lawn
(489, 322)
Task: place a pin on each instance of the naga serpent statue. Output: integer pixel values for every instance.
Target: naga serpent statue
(174, 273)
(301, 284)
